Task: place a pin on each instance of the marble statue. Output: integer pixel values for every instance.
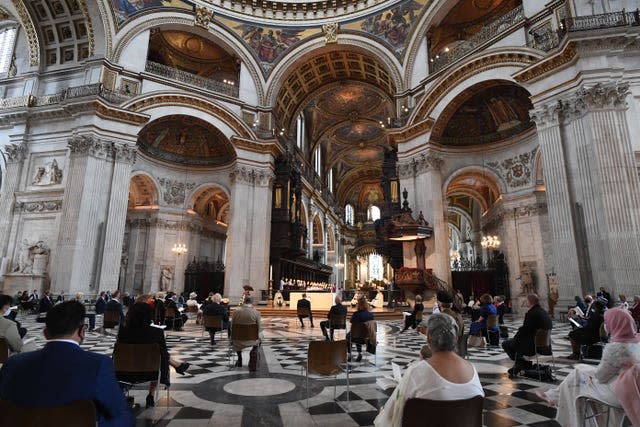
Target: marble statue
(526, 281)
(166, 275)
(49, 175)
(32, 258)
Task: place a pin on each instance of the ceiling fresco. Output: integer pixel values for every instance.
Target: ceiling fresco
(185, 139)
(125, 9)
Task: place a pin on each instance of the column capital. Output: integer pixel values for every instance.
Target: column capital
(258, 177)
(546, 115)
(604, 96)
(16, 153)
(124, 153)
(419, 164)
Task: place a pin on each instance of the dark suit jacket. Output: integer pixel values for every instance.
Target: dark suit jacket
(304, 303)
(215, 309)
(148, 335)
(100, 305)
(61, 373)
(45, 304)
(114, 305)
(536, 318)
(337, 309)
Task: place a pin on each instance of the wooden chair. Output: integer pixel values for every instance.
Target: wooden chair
(492, 322)
(241, 332)
(437, 413)
(327, 358)
(212, 321)
(138, 364)
(170, 314)
(111, 319)
(337, 321)
(359, 335)
(542, 342)
(303, 312)
(4, 350)
(80, 413)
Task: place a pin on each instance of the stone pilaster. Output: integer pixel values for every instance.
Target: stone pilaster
(248, 237)
(123, 156)
(610, 195)
(559, 199)
(15, 156)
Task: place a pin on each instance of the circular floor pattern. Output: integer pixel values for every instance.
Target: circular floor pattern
(259, 387)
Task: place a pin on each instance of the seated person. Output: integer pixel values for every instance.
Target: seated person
(446, 301)
(501, 308)
(603, 382)
(10, 330)
(246, 315)
(180, 319)
(193, 300)
(62, 372)
(444, 376)
(278, 299)
(305, 303)
(114, 305)
(589, 333)
(336, 310)
(479, 327)
(362, 315)
(215, 309)
(378, 301)
(410, 320)
(137, 329)
(45, 303)
(91, 315)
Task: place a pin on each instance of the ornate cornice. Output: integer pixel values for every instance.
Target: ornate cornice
(552, 63)
(174, 225)
(38, 207)
(252, 176)
(80, 145)
(529, 210)
(417, 165)
(30, 30)
(175, 191)
(411, 132)
(87, 22)
(442, 88)
(16, 152)
(271, 147)
(189, 101)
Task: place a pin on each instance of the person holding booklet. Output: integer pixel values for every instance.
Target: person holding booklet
(444, 376)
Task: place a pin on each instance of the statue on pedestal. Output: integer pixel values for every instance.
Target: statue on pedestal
(526, 280)
(32, 258)
(166, 275)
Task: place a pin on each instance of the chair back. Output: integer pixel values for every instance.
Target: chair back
(338, 321)
(136, 358)
(303, 312)
(542, 341)
(492, 321)
(359, 332)
(450, 413)
(4, 350)
(419, 316)
(604, 336)
(170, 312)
(111, 316)
(192, 309)
(244, 332)
(80, 413)
(463, 345)
(325, 357)
(213, 321)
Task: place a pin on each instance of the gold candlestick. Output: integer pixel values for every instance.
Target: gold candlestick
(270, 297)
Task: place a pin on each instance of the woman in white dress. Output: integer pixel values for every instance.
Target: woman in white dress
(598, 382)
(445, 376)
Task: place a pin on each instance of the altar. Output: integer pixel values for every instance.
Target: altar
(319, 300)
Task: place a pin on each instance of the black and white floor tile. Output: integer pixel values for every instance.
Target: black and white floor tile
(212, 394)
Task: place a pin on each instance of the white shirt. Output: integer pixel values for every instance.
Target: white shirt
(421, 380)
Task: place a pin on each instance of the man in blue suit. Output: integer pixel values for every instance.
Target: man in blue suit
(62, 372)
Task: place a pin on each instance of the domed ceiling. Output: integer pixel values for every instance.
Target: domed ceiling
(184, 139)
(485, 113)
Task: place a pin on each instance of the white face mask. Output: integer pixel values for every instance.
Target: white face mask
(8, 312)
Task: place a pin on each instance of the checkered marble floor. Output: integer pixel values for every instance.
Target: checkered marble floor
(212, 394)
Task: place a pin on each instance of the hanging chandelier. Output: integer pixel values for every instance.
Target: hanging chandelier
(179, 249)
(490, 242)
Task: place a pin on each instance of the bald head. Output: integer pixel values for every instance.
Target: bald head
(533, 299)
(338, 300)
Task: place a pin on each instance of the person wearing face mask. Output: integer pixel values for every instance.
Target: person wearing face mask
(10, 330)
(26, 379)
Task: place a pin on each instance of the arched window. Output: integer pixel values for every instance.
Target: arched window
(7, 44)
(349, 215)
(376, 269)
(373, 213)
(317, 161)
(300, 132)
(330, 180)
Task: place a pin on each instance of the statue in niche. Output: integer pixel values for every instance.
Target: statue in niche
(32, 258)
(25, 263)
(166, 276)
(526, 281)
(50, 174)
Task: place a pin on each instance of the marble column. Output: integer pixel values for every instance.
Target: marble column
(607, 188)
(124, 156)
(15, 156)
(248, 238)
(559, 199)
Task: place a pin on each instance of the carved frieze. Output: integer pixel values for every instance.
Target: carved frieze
(202, 17)
(420, 164)
(516, 170)
(251, 176)
(89, 145)
(174, 191)
(37, 207)
(16, 152)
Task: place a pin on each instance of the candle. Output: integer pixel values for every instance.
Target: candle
(271, 272)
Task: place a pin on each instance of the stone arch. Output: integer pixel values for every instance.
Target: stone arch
(480, 184)
(143, 191)
(210, 201)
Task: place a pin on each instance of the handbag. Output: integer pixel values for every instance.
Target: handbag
(476, 341)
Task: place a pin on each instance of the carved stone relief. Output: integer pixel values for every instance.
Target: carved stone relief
(420, 164)
(203, 16)
(32, 258)
(36, 207)
(174, 191)
(256, 177)
(48, 174)
(516, 171)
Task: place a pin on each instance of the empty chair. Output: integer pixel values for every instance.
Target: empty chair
(437, 413)
(327, 358)
(81, 413)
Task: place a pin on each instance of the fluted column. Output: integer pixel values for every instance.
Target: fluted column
(249, 230)
(559, 200)
(610, 193)
(15, 155)
(123, 157)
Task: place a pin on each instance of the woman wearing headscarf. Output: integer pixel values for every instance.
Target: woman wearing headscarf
(600, 382)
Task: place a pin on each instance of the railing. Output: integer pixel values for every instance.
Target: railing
(191, 79)
(511, 19)
(94, 89)
(605, 20)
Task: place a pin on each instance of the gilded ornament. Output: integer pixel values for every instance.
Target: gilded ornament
(330, 32)
(203, 17)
